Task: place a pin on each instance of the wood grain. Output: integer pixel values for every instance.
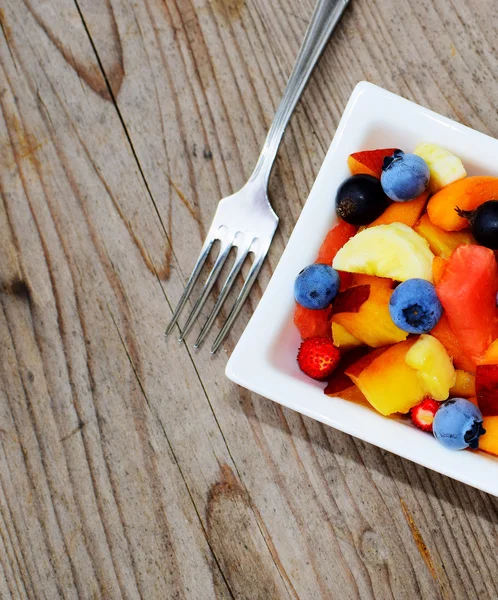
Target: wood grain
(130, 467)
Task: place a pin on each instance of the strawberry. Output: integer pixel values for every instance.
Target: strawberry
(318, 357)
(423, 414)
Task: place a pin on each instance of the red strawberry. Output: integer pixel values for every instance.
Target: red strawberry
(318, 357)
(423, 414)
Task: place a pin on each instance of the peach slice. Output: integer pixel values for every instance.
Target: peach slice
(467, 194)
(364, 311)
(489, 441)
(353, 394)
(339, 382)
(441, 242)
(368, 161)
(487, 389)
(386, 381)
(403, 212)
(352, 299)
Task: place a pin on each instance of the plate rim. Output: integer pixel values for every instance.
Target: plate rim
(257, 374)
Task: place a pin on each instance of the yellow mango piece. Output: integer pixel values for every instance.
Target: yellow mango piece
(388, 383)
(343, 339)
(441, 242)
(465, 385)
(434, 368)
(489, 441)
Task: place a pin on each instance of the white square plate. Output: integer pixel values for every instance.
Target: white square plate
(264, 360)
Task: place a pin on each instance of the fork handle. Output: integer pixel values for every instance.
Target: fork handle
(323, 20)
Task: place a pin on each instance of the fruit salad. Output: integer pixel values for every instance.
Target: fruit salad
(400, 310)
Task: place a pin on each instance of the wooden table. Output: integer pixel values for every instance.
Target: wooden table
(130, 467)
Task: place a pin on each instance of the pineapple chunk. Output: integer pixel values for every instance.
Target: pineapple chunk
(394, 251)
(445, 168)
(435, 370)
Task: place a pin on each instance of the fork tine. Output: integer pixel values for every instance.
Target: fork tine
(242, 253)
(208, 243)
(244, 292)
(210, 281)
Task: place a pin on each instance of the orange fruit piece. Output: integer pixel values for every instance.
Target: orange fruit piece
(403, 212)
(466, 194)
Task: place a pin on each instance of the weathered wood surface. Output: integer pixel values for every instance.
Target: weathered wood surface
(130, 467)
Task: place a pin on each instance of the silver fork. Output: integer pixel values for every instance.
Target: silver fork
(246, 220)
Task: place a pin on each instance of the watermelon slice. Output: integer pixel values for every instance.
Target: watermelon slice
(467, 291)
(312, 323)
(335, 240)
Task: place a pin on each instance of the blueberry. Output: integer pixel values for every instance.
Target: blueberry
(360, 200)
(316, 286)
(414, 306)
(458, 424)
(404, 176)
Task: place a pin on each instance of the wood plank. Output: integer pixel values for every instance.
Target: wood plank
(231, 68)
(97, 477)
(128, 464)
